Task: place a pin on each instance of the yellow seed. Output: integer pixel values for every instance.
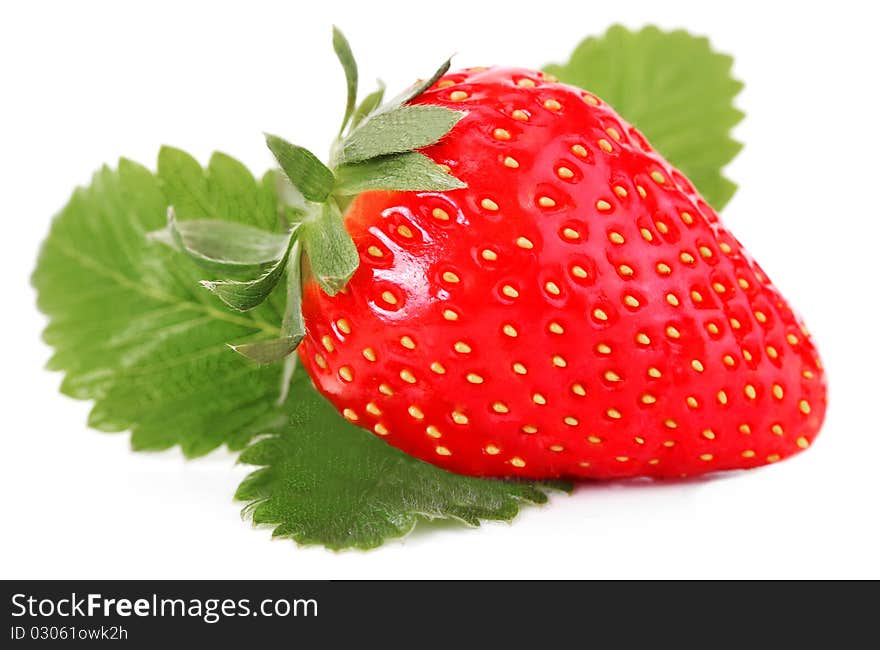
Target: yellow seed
(489, 204)
(501, 134)
(369, 354)
(346, 373)
(555, 328)
(445, 83)
(672, 299)
(777, 430)
(696, 296)
(604, 145)
(500, 407)
(599, 314)
(389, 297)
(440, 214)
(438, 368)
(492, 450)
(603, 205)
(613, 132)
(631, 301)
(692, 402)
(804, 407)
(735, 324)
(552, 105)
(641, 191)
(614, 414)
(792, 339)
(670, 424)
(725, 248)
(516, 461)
(559, 361)
(621, 459)
(802, 442)
(743, 283)
(520, 115)
(537, 398)
(673, 332)
(745, 429)
(373, 409)
(706, 457)
(595, 440)
(603, 348)
(449, 314)
(777, 391)
(639, 440)
(616, 237)
(343, 326)
(669, 443)
(657, 177)
(374, 251)
(489, 255)
(579, 151)
(654, 461)
(722, 397)
(578, 271)
(449, 276)
(404, 231)
(708, 434)
(571, 421)
(458, 95)
(322, 363)
(350, 415)
(385, 389)
(511, 162)
(610, 375)
(525, 83)
(662, 227)
(570, 233)
(712, 328)
(474, 378)
(718, 287)
(525, 243)
(687, 258)
(519, 369)
(443, 451)
(643, 339)
(546, 202)
(697, 365)
(509, 291)
(705, 252)
(686, 218)
(646, 234)
(654, 372)
(625, 270)
(620, 191)
(750, 391)
(748, 453)
(509, 330)
(327, 342)
(590, 99)
(407, 342)
(381, 429)
(808, 374)
(433, 431)
(528, 428)
(663, 269)
(552, 288)
(647, 398)
(728, 360)
(761, 317)
(459, 418)
(416, 412)
(407, 376)
(772, 458)
(578, 389)
(462, 347)
(556, 448)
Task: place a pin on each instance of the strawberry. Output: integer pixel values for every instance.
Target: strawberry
(577, 311)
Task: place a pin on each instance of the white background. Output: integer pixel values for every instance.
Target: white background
(85, 82)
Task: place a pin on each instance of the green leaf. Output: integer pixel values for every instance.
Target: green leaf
(406, 171)
(370, 103)
(330, 251)
(244, 295)
(130, 326)
(325, 481)
(675, 89)
(308, 174)
(402, 129)
(268, 351)
(419, 87)
(223, 246)
(346, 58)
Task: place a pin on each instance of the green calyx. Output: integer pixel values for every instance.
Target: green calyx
(374, 150)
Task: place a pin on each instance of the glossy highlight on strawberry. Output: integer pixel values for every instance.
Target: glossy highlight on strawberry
(577, 311)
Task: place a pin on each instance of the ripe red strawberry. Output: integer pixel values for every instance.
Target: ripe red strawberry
(578, 310)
